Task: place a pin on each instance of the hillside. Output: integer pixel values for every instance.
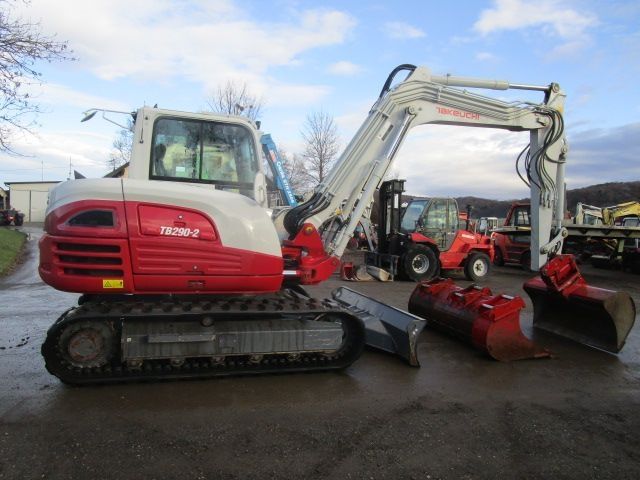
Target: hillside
(600, 195)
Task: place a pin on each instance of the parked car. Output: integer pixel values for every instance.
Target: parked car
(7, 217)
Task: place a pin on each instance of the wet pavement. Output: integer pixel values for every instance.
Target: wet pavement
(461, 415)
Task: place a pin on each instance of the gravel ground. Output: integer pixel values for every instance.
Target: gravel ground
(461, 415)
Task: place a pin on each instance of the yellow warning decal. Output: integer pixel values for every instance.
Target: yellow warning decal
(112, 283)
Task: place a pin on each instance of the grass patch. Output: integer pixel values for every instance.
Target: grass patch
(11, 242)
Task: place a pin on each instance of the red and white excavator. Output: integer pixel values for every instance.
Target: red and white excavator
(185, 274)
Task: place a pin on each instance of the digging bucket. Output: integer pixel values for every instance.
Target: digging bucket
(386, 328)
(565, 305)
(491, 323)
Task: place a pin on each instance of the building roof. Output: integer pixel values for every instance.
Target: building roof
(24, 183)
(117, 172)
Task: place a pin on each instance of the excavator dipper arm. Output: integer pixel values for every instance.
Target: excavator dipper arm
(422, 98)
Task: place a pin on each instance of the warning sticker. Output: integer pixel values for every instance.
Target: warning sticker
(112, 283)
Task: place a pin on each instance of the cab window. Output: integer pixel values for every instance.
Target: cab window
(453, 216)
(522, 218)
(411, 216)
(204, 152)
(437, 215)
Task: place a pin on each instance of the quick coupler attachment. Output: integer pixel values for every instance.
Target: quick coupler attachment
(491, 323)
(386, 328)
(565, 305)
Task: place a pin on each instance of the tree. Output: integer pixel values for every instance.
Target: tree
(296, 171)
(22, 45)
(320, 135)
(122, 146)
(235, 99)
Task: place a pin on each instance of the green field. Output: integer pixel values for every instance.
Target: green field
(11, 242)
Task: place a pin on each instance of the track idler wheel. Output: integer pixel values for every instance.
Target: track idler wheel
(565, 305)
(491, 323)
(86, 345)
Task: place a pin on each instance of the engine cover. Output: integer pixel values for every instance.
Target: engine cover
(132, 236)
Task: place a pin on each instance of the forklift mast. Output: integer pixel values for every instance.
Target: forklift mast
(389, 216)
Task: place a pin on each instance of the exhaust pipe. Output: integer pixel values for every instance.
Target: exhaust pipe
(565, 305)
(491, 323)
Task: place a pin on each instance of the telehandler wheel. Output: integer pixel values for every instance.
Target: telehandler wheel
(420, 263)
(477, 267)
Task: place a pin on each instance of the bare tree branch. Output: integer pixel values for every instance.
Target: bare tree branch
(122, 146)
(321, 138)
(294, 167)
(22, 45)
(236, 99)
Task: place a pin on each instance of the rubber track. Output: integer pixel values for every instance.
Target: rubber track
(115, 312)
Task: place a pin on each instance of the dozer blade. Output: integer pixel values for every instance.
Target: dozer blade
(564, 304)
(491, 323)
(386, 328)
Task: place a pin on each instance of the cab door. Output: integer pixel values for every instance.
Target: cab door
(434, 222)
(453, 224)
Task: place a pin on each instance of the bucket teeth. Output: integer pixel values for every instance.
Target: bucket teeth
(565, 305)
(491, 323)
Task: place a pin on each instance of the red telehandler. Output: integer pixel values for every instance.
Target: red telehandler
(426, 237)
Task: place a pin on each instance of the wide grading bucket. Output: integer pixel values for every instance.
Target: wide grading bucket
(386, 328)
(565, 305)
(491, 323)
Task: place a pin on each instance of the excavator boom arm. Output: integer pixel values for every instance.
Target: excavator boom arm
(339, 201)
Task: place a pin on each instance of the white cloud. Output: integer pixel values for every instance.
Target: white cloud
(54, 94)
(402, 30)
(52, 152)
(517, 14)
(452, 161)
(204, 42)
(344, 68)
(550, 16)
(486, 57)
(568, 49)
(349, 123)
(291, 95)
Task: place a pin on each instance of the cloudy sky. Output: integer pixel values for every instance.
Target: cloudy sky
(307, 56)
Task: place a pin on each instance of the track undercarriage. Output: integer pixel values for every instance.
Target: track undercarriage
(133, 338)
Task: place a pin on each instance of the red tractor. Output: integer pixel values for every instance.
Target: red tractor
(7, 217)
(425, 237)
